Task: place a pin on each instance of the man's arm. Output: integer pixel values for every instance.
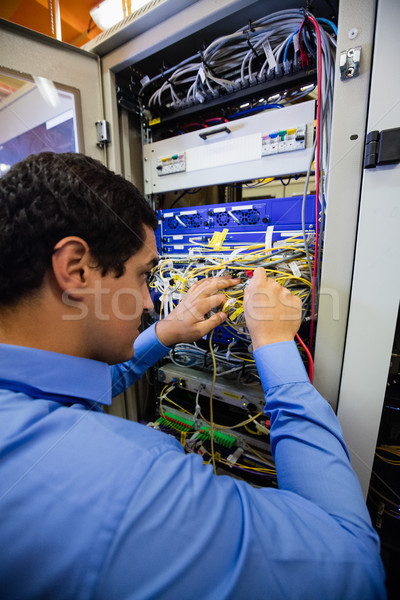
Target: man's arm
(306, 439)
(186, 323)
(188, 532)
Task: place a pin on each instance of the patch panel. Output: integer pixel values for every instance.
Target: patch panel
(285, 140)
(193, 380)
(206, 156)
(167, 165)
(246, 223)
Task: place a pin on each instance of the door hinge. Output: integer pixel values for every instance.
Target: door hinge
(103, 133)
(382, 148)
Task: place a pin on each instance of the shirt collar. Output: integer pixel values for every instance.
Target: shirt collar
(50, 375)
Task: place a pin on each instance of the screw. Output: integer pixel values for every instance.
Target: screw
(353, 33)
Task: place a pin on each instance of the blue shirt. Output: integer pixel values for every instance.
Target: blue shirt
(93, 506)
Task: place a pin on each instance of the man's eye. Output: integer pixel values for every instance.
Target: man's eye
(146, 275)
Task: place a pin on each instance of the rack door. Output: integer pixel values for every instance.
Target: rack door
(50, 96)
(376, 284)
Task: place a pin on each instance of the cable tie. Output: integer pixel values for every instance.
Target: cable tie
(165, 78)
(258, 58)
(207, 65)
(250, 26)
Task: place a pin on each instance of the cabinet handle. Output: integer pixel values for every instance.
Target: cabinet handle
(205, 134)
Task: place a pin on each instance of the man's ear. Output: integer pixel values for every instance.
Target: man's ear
(71, 265)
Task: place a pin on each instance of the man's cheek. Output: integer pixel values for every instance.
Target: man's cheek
(127, 304)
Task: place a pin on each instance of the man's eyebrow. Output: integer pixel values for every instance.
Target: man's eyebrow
(152, 263)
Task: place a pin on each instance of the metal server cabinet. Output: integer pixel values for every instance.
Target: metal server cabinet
(165, 22)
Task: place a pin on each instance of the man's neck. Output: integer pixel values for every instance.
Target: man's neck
(39, 323)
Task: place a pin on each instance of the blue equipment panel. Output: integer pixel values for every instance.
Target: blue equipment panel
(246, 222)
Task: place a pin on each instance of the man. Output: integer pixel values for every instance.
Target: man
(92, 506)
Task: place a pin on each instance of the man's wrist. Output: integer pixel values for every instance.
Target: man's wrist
(258, 342)
(165, 333)
(279, 364)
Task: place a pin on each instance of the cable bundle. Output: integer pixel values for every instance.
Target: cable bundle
(290, 264)
(264, 49)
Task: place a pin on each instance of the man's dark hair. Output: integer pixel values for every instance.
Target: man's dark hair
(47, 197)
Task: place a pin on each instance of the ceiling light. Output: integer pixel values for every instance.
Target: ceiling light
(110, 12)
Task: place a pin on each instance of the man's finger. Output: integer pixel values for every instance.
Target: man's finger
(259, 275)
(209, 324)
(211, 302)
(210, 285)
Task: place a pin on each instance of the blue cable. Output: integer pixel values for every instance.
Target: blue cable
(253, 109)
(288, 44)
(328, 22)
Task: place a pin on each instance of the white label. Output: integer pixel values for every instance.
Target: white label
(290, 233)
(179, 247)
(268, 238)
(296, 42)
(166, 215)
(202, 74)
(188, 212)
(177, 237)
(269, 54)
(144, 80)
(295, 269)
(219, 210)
(230, 151)
(243, 207)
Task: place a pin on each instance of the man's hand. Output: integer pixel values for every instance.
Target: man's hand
(272, 313)
(187, 322)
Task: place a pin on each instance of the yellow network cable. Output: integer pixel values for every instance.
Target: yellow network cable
(247, 468)
(258, 455)
(162, 300)
(250, 360)
(211, 401)
(161, 398)
(391, 450)
(177, 405)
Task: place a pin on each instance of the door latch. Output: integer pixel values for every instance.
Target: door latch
(103, 133)
(349, 63)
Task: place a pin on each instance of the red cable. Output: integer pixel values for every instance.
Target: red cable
(317, 174)
(303, 53)
(310, 360)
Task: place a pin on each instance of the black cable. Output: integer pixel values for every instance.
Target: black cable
(178, 198)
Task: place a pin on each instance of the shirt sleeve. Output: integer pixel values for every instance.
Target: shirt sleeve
(187, 533)
(148, 350)
(306, 440)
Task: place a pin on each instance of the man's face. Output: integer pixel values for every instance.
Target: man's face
(117, 305)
